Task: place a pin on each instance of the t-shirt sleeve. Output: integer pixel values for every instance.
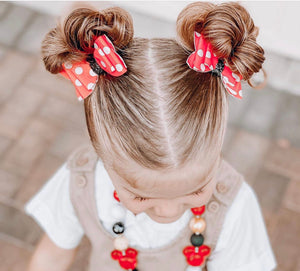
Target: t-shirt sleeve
(243, 244)
(52, 209)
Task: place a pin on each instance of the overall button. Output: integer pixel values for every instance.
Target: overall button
(213, 206)
(82, 160)
(81, 181)
(222, 188)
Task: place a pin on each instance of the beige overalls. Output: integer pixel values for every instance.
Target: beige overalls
(82, 164)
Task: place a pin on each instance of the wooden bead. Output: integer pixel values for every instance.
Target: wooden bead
(121, 243)
(197, 224)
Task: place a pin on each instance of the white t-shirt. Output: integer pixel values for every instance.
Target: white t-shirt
(243, 244)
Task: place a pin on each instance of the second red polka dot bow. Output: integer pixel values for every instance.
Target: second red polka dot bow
(204, 60)
(81, 73)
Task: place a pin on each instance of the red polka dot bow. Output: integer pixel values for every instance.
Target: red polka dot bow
(81, 73)
(204, 60)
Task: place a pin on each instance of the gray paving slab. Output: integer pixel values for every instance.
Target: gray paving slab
(31, 39)
(13, 67)
(4, 7)
(262, 111)
(13, 24)
(238, 107)
(9, 183)
(270, 189)
(246, 153)
(287, 124)
(15, 223)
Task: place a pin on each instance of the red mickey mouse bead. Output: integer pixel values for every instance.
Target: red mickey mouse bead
(126, 261)
(116, 196)
(198, 210)
(196, 258)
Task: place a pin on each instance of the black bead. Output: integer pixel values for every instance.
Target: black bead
(197, 240)
(118, 228)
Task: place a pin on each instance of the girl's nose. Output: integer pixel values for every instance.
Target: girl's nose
(168, 208)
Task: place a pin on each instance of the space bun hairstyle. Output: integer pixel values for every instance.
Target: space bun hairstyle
(72, 40)
(231, 31)
(160, 114)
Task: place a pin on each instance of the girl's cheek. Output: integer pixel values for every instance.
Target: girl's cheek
(201, 199)
(136, 207)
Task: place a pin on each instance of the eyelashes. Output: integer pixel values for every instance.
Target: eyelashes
(141, 199)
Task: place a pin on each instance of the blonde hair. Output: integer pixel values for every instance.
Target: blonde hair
(160, 113)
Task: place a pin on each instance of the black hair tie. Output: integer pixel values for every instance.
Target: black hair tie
(94, 65)
(219, 68)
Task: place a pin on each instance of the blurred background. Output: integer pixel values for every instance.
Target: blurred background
(41, 121)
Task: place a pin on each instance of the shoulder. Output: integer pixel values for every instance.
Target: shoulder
(244, 204)
(83, 158)
(52, 209)
(244, 236)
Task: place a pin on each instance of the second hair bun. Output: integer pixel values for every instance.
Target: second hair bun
(230, 30)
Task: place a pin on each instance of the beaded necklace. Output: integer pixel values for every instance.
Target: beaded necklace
(196, 254)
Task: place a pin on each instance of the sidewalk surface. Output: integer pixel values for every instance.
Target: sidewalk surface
(41, 122)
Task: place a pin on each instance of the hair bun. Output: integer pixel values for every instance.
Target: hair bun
(73, 39)
(230, 30)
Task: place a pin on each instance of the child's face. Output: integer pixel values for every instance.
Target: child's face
(163, 197)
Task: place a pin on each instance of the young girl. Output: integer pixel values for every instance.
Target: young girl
(152, 191)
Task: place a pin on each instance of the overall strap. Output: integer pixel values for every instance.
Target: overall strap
(82, 160)
(82, 164)
(228, 183)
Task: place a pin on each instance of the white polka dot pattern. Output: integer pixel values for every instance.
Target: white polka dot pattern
(81, 74)
(203, 59)
(119, 67)
(78, 70)
(200, 52)
(107, 57)
(91, 86)
(78, 83)
(106, 50)
(68, 65)
(92, 73)
(101, 52)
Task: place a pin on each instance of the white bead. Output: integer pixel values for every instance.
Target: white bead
(193, 268)
(118, 213)
(121, 243)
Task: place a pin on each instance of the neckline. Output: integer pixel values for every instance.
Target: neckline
(92, 188)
